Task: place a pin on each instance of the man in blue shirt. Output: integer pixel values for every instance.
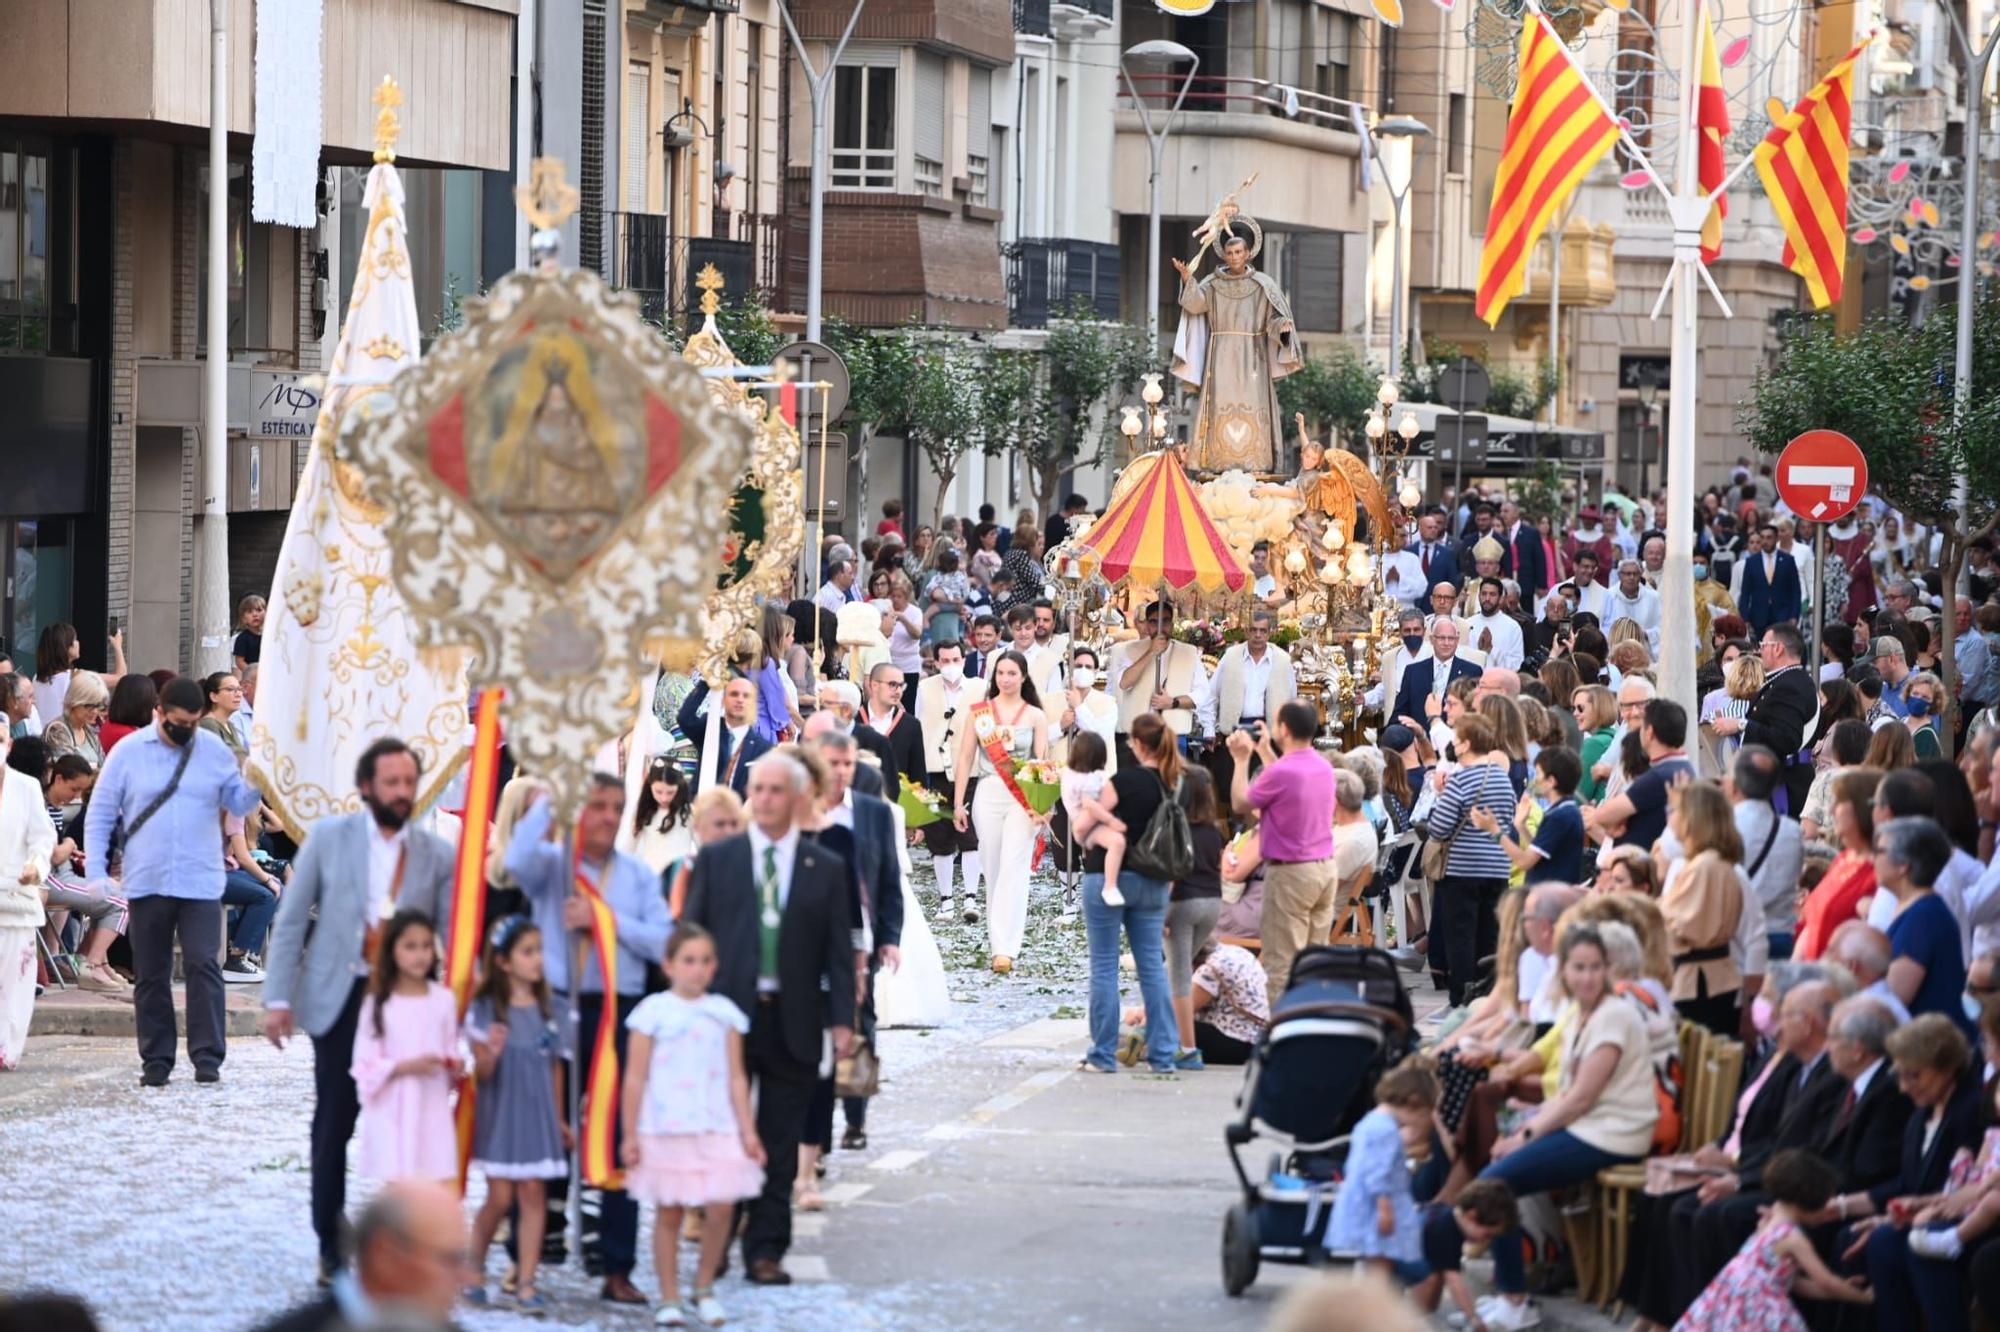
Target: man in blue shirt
(156, 819)
(632, 890)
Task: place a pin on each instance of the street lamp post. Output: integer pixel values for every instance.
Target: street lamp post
(1398, 127)
(1156, 143)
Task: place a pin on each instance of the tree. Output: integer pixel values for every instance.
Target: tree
(942, 413)
(1888, 387)
(1334, 391)
(1044, 407)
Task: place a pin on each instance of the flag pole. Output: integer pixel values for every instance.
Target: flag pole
(1689, 209)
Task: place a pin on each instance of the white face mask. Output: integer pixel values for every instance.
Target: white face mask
(953, 673)
(1083, 676)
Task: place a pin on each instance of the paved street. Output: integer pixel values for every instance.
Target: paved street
(1000, 1187)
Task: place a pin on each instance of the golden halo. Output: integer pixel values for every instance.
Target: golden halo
(1242, 220)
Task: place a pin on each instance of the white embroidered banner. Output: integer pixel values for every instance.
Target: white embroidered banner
(284, 159)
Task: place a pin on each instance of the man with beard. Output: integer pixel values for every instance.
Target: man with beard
(355, 870)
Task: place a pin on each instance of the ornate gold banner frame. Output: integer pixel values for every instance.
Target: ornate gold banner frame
(560, 483)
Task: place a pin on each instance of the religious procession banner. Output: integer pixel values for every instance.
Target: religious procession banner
(562, 484)
(340, 665)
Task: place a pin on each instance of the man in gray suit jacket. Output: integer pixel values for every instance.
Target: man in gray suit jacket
(355, 869)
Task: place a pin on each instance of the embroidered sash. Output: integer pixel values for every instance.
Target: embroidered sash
(986, 729)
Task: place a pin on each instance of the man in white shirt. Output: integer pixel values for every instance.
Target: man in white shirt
(1493, 633)
(1044, 663)
(1154, 673)
(1252, 681)
(944, 705)
(1866, 953)
(1653, 558)
(833, 593)
(1591, 597)
(1545, 905)
(1083, 706)
(1633, 600)
(1263, 584)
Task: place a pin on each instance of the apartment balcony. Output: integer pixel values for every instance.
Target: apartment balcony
(1301, 144)
(1076, 19)
(1052, 277)
(644, 257)
(1032, 19)
(684, 18)
(977, 28)
(1589, 267)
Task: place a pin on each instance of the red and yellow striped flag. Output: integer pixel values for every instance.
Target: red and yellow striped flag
(1803, 164)
(1711, 125)
(1556, 131)
(468, 896)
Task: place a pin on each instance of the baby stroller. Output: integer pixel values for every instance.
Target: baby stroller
(1344, 1018)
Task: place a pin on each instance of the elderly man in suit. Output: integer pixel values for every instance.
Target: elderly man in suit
(741, 745)
(354, 870)
(878, 908)
(1425, 680)
(777, 904)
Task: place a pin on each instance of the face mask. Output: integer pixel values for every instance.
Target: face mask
(1083, 677)
(1413, 643)
(1700, 572)
(1970, 1003)
(177, 733)
(1763, 1015)
(1919, 705)
(953, 674)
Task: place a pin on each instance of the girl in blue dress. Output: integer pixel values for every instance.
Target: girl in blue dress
(1374, 1215)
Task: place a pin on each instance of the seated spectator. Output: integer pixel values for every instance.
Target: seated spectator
(66, 781)
(224, 694)
(134, 700)
(1866, 953)
(1926, 967)
(84, 705)
(246, 884)
(1935, 1068)
(1231, 1006)
(1785, 1105)
(1627, 869)
(1355, 844)
(1844, 747)
(1603, 1113)
(1851, 880)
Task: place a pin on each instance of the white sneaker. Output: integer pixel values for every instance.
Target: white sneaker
(1942, 1244)
(671, 1315)
(944, 908)
(1508, 1316)
(710, 1311)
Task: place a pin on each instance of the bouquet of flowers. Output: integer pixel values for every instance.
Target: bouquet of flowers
(921, 806)
(1040, 782)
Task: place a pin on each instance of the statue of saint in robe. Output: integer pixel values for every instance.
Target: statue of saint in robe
(1235, 343)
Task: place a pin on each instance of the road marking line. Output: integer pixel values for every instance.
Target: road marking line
(989, 1110)
(807, 1267)
(894, 1161)
(808, 1225)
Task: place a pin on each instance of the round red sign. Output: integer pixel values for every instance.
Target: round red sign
(1822, 475)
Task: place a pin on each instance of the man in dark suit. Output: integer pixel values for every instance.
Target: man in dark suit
(1785, 714)
(1482, 527)
(1525, 562)
(779, 907)
(1797, 1096)
(398, 1278)
(1437, 557)
(878, 898)
(886, 717)
(1427, 678)
(741, 745)
(1770, 585)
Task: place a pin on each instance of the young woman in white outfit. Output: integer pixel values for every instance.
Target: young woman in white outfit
(1009, 722)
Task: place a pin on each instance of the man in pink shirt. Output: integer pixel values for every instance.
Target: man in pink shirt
(1292, 799)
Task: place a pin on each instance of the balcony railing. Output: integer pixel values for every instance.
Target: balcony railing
(1032, 17)
(1101, 8)
(1245, 96)
(1050, 277)
(644, 257)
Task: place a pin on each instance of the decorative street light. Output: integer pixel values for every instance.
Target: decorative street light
(1166, 52)
(1398, 127)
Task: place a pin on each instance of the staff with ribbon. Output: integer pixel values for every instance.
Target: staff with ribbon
(468, 894)
(1008, 730)
(609, 904)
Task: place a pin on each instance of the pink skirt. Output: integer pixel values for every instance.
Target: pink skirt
(690, 1169)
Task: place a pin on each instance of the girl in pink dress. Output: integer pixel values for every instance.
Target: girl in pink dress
(1755, 1290)
(690, 1139)
(406, 1059)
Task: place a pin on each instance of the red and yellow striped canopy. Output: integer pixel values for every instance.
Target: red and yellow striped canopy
(1158, 533)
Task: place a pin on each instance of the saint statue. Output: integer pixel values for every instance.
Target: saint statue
(1235, 343)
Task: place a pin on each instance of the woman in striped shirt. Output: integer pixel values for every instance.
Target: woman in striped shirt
(1467, 898)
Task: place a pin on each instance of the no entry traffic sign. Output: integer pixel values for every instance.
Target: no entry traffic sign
(1822, 475)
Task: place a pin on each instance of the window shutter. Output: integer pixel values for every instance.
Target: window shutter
(1316, 295)
(638, 133)
(979, 113)
(929, 129)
